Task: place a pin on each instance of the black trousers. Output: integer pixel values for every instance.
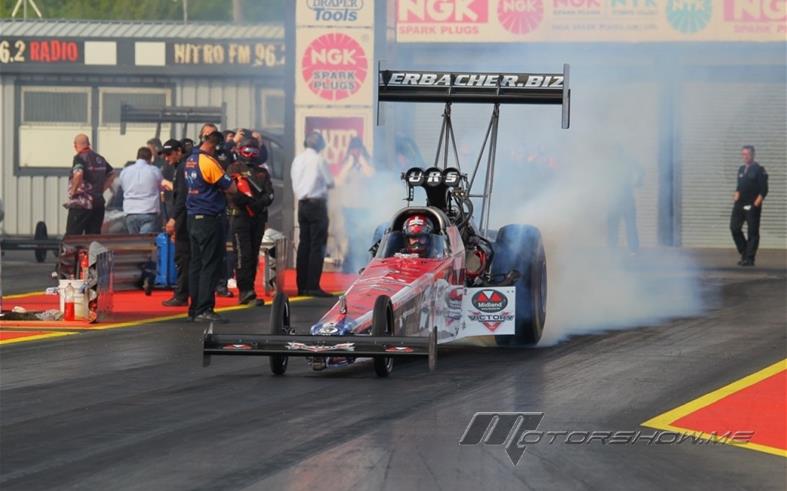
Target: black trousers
(227, 266)
(182, 257)
(747, 247)
(82, 221)
(246, 238)
(313, 223)
(205, 237)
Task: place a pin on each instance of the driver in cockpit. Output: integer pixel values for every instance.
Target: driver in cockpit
(417, 232)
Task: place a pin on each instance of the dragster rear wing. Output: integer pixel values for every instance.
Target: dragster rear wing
(467, 87)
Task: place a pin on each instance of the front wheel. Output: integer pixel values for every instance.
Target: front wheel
(382, 325)
(279, 325)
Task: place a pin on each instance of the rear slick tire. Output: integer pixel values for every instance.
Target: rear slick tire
(520, 247)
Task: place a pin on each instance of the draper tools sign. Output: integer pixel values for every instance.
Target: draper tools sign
(336, 12)
(464, 21)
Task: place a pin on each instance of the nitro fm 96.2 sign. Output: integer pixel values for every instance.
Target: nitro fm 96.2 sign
(259, 54)
(22, 51)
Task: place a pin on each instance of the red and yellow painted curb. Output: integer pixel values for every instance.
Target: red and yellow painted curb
(12, 332)
(755, 403)
(10, 337)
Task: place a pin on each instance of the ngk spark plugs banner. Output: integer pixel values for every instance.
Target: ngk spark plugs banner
(334, 60)
(335, 67)
(468, 21)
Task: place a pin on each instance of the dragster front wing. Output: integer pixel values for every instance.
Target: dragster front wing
(360, 346)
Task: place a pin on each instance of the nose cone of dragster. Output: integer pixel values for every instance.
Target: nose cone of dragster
(341, 327)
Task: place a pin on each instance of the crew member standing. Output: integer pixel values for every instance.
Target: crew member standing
(747, 207)
(175, 204)
(205, 205)
(224, 159)
(310, 183)
(248, 211)
(91, 175)
(141, 183)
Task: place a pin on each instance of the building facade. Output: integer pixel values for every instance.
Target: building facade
(60, 78)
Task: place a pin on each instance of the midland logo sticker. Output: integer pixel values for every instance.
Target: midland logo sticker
(334, 66)
(490, 305)
(489, 301)
(689, 16)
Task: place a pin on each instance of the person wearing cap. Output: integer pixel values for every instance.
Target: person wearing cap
(187, 144)
(205, 206)
(310, 183)
(224, 158)
(141, 183)
(172, 153)
(177, 227)
(248, 212)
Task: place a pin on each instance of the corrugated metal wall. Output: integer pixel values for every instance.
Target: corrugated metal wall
(28, 199)
(717, 120)
(31, 199)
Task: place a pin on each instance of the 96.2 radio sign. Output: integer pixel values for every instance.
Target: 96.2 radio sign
(24, 51)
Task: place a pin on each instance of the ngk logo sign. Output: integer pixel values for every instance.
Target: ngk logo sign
(334, 66)
(520, 16)
(755, 10)
(438, 11)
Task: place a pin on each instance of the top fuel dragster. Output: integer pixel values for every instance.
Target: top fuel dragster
(436, 276)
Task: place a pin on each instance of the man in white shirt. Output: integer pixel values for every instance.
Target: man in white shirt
(310, 183)
(141, 184)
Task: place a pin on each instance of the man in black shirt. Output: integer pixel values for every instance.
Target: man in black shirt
(749, 195)
(91, 175)
(177, 220)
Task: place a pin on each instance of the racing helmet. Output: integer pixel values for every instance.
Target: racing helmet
(248, 151)
(417, 231)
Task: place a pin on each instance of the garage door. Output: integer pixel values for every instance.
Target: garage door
(715, 121)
